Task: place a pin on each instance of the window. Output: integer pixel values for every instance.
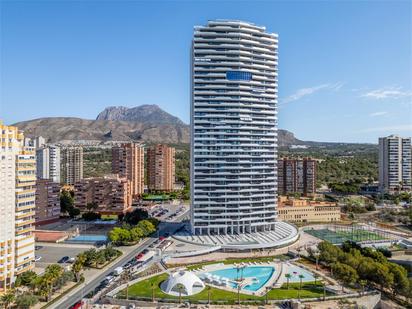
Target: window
(238, 75)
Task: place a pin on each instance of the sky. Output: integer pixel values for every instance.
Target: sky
(345, 67)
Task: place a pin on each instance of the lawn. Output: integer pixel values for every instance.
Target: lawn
(143, 289)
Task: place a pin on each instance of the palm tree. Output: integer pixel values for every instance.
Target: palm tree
(180, 287)
(238, 294)
(288, 276)
(267, 294)
(300, 283)
(8, 299)
(316, 276)
(152, 286)
(324, 290)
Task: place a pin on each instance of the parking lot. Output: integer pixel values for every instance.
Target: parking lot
(166, 212)
(52, 253)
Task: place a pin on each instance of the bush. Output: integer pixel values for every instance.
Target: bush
(128, 234)
(91, 216)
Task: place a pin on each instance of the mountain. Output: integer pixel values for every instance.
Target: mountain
(145, 113)
(68, 130)
(146, 123)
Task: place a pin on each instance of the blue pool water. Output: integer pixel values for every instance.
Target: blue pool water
(295, 271)
(88, 238)
(261, 273)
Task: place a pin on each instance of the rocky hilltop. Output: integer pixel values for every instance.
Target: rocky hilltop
(144, 113)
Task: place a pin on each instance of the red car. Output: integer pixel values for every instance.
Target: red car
(139, 256)
(77, 305)
(161, 238)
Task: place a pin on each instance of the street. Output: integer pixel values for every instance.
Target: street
(92, 282)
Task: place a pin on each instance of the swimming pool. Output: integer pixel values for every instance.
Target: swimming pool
(258, 276)
(295, 271)
(88, 238)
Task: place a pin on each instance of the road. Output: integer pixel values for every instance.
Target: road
(91, 283)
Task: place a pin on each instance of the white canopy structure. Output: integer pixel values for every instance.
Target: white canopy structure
(190, 283)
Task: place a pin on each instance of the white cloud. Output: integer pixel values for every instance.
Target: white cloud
(397, 128)
(376, 114)
(387, 93)
(303, 92)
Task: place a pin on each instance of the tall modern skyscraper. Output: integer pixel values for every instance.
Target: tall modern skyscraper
(395, 163)
(48, 163)
(233, 128)
(71, 165)
(128, 162)
(161, 168)
(17, 204)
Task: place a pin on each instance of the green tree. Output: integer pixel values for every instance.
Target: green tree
(78, 265)
(91, 257)
(26, 300)
(345, 273)
(400, 279)
(8, 298)
(66, 201)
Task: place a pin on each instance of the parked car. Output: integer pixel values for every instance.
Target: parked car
(38, 247)
(64, 259)
(118, 271)
(37, 258)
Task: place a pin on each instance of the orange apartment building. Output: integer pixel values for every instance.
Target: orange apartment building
(161, 168)
(112, 194)
(128, 162)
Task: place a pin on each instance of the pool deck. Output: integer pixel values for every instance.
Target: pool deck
(260, 292)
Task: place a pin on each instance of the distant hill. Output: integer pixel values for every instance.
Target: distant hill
(147, 123)
(145, 113)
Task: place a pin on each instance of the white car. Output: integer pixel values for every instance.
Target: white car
(37, 258)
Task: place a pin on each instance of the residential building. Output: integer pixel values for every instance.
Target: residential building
(111, 194)
(71, 164)
(47, 201)
(48, 163)
(17, 205)
(128, 162)
(296, 176)
(305, 210)
(395, 164)
(233, 129)
(161, 168)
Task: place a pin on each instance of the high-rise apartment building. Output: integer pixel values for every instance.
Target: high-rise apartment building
(17, 205)
(233, 128)
(111, 194)
(128, 162)
(71, 164)
(161, 168)
(395, 164)
(48, 163)
(47, 201)
(296, 176)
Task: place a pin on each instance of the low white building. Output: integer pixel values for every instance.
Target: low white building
(187, 281)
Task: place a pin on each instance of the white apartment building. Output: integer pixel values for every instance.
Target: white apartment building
(233, 128)
(48, 163)
(17, 204)
(395, 164)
